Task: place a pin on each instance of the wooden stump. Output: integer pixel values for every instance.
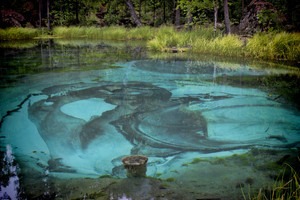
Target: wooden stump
(136, 166)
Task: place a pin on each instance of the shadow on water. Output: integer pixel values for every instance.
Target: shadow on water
(71, 109)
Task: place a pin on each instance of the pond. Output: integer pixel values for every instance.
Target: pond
(211, 127)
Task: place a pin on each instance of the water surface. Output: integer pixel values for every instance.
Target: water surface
(210, 126)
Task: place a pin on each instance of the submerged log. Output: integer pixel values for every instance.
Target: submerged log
(136, 165)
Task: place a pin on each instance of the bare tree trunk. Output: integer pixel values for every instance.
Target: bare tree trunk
(133, 14)
(140, 9)
(164, 11)
(61, 13)
(215, 17)
(40, 12)
(226, 17)
(189, 17)
(77, 11)
(48, 14)
(154, 9)
(243, 6)
(177, 16)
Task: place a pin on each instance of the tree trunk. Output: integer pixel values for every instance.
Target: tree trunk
(243, 6)
(154, 9)
(189, 17)
(226, 17)
(140, 9)
(133, 14)
(40, 12)
(77, 11)
(164, 11)
(215, 17)
(48, 14)
(61, 13)
(177, 16)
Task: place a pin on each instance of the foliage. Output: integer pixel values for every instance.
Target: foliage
(269, 19)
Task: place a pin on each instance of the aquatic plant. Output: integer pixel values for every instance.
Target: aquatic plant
(171, 179)
(281, 189)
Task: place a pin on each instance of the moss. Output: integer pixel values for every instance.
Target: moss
(185, 164)
(158, 174)
(164, 186)
(105, 176)
(197, 160)
(171, 179)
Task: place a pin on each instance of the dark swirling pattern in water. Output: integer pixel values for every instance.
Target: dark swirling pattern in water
(153, 122)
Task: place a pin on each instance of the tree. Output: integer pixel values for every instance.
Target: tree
(189, 16)
(215, 16)
(48, 15)
(177, 15)
(226, 17)
(40, 12)
(133, 14)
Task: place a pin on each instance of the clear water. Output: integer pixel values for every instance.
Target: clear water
(73, 109)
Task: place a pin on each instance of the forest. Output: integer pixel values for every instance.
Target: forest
(173, 25)
(274, 14)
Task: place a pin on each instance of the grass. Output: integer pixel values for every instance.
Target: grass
(281, 190)
(282, 45)
(110, 33)
(18, 33)
(267, 46)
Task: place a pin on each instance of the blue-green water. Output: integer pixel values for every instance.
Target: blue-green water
(74, 109)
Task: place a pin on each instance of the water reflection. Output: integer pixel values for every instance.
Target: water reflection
(109, 101)
(10, 187)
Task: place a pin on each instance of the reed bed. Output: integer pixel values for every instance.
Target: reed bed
(267, 46)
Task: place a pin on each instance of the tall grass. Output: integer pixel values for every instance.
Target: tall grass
(281, 190)
(111, 33)
(18, 33)
(275, 46)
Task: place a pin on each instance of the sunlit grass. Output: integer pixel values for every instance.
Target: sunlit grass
(110, 33)
(268, 46)
(18, 33)
(282, 45)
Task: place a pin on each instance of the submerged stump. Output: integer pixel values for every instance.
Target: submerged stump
(136, 166)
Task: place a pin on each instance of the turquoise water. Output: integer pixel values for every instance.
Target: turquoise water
(73, 110)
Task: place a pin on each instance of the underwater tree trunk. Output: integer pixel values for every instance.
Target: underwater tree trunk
(133, 14)
(226, 17)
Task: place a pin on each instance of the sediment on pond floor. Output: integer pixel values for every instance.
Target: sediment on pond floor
(199, 178)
